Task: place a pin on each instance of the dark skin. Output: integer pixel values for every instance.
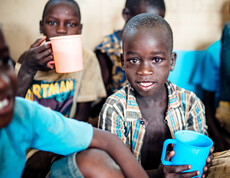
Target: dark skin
(8, 89)
(156, 130)
(148, 59)
(60, 19)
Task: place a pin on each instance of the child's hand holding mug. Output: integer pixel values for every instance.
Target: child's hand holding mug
(189, 156)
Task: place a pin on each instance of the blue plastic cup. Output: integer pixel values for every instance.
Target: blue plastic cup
(191, 148)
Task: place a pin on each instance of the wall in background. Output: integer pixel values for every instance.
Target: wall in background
(195, 23)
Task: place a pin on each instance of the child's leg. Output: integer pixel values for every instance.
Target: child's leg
(98, 164)
(89, 163)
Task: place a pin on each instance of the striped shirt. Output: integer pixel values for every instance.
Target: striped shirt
(121, 115)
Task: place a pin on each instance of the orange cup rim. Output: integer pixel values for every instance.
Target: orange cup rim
(65, 37)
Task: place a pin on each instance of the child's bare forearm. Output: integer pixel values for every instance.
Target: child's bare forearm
(119, 152)
(25, 78)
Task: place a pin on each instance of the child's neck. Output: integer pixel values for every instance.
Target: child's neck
(160, 97)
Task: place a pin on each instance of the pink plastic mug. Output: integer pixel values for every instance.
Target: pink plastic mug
(68, 53)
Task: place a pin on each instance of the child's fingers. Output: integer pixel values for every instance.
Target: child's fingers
(48, 43)
(51, 65)
(212, 149)
(44, 47)
(38, 42)
(169, 155)
(210, 158)
(190, 174)
(205, 171)
(177, 169)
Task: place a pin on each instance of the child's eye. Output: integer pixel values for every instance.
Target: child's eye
(52, 22)
(156, 59)
(134, 60)
(72, 24)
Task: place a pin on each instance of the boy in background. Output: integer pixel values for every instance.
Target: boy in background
(40, 82)
(150, 109)
(69, 93)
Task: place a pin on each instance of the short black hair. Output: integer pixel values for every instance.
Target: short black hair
(52, 2)
(149, 20)
(132, 4)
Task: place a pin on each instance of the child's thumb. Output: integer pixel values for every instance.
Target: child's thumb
(38, 42)
(169, 155)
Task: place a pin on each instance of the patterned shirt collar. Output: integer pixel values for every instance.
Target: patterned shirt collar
(133, 111)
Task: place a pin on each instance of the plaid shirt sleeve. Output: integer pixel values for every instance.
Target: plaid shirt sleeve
(196, 117)
(111, 118)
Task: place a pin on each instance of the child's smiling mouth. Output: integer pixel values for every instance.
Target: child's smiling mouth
(146, 85)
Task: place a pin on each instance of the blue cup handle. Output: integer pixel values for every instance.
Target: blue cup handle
(163, 154)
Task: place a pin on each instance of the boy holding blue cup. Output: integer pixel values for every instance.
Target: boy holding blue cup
(150, 109)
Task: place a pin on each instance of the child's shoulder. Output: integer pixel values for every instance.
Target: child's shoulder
(112, 36)
(120, 96)
(109, 40)
(89, 56)
(176, 91)
(24, 110)
(26, 105)
(23, 103)
(87, 53)
(184, 98)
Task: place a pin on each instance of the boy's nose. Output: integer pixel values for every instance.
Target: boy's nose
(61, 29)
(145, 69)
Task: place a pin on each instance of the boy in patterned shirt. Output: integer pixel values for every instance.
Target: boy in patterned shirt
(109, 50)
(150, 109)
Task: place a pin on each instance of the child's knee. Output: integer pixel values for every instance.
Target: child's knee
(97, 163)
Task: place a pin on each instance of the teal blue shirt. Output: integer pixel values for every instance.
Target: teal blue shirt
(34, 126)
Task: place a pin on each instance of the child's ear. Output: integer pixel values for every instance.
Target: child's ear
(173, 60)
(122, 61)
(126, 14)
(41, 26)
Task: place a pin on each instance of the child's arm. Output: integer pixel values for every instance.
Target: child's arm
(83, 110)
(106, 66)
(36, 58)
(118, 151)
